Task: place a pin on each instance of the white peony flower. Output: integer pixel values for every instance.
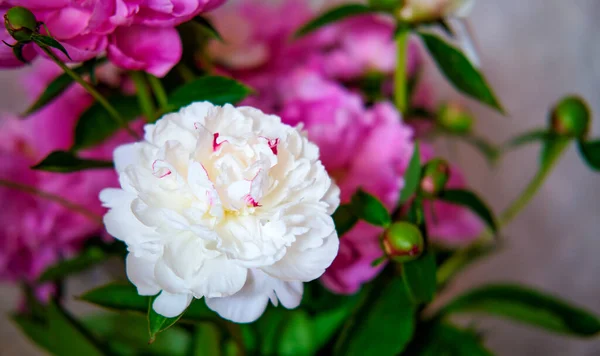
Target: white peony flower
(430, 10)
(223, 203)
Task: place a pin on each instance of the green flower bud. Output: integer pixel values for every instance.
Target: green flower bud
(20, 23)
(402, 242)
(455, 118)
(571, 118)
(435, 176)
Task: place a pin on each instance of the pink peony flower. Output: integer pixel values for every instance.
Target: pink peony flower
(139, 35)
(34, 231)
(153, 49)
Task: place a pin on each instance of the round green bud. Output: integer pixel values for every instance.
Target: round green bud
(571, 118)
(402, 242)
(435, 176)
(455, 118)
(20, 23)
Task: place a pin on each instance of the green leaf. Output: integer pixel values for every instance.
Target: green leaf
(47, 41)
(420, 278)
(217, 90)
(206, 340)
(370, 209)
(327, 323)
(96, 125)
(158, 323)
(412, 177)
(448, 340)
(208, 27)
(527, 138)
(590, 151)
(527, 306)
(35, 331)
(127, 335)
(383, 325)
(66, 162)
(84, 260)
(68, 336)
(333, 15)
(59, 85)
(459, 71)
(124, 297)
(296, 337)
(344, 219)
(473, 202)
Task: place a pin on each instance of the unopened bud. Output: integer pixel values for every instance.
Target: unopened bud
(571, 118)
(435, 176)
(455, 118)
(402, 242)
(20, 23)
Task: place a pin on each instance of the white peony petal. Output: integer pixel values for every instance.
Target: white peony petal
(305, 265)
(140, 275)
(248, 304)
(125, 155)
(219, 277)
(171, 305)
(289, 293)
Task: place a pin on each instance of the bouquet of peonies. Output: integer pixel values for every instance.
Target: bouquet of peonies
(266, 173)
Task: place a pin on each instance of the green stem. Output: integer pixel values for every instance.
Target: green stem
(54, 198)
(184, 72)
(481, 247)
(400, 76)
(143, 94)
(92, 91)
(159, 91)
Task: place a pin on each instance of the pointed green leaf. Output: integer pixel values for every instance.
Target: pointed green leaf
(382, 325)
(124, 297)
(448, 340)
(459, 70)
(84, 260)
(206, 340)
(35, 331)
(68, 336)
(127, 335)
(590, 151)
(96, 125)
(296, 335)
(552, 148)
(208, 27)
(18, 52)
(528, 306)
(158, 323)
(217, 90)
(420, 278)
(412, 176)
(47, 41)
(473, 202)
(59, 85)
(333, 15)
(527, 138)
(344, 219)
(370, 209)
(66, 162)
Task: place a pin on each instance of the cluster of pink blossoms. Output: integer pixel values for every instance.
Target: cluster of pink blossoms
(309, 82)
(135, 34)
(35, 231)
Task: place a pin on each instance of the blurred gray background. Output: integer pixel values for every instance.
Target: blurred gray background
(533, 52)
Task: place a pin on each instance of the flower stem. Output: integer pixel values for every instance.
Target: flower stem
(400, 76)
(54, 198)
(159, 91)
(92, 91)
(462, 258)
(143, 94)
